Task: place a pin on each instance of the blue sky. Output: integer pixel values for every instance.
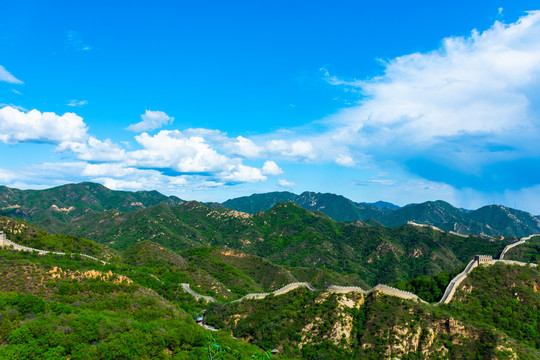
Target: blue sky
(209, 100)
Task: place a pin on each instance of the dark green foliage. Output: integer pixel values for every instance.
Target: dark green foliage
(273, 321)
(502, 296)
(149, 254)
(528, 252)
(428, 288)
(25, 234)
(259, 202)
(292, 236)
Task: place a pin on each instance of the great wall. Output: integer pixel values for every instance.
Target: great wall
(4, 242)
(381, 288)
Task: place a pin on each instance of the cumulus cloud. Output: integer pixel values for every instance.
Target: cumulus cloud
(271, 168)
(151, 120)
(175, 150)
(468, 110)
(244, 147)
(33, 126)
(93, 150)
(300, 149)
(7, 77)
(243, 173)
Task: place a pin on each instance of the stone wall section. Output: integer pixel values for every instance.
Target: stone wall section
(508, 247)
(195, 295)
(4, 242)
(454, 283)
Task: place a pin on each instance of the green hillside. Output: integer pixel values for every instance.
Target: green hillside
(327, 325)
(528, 252)
(493, 220)
(50, 208)
(133, 306)
(291, 236)
(57, 307)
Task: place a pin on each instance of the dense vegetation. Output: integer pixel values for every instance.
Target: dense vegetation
(53, 209)
(292, 236)
(493, 220)
(428, 288)
(362, 327)
(528, 252)
(133, 306)
(505, 297)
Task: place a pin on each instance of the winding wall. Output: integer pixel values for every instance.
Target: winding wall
(4, 242)
(385, 289)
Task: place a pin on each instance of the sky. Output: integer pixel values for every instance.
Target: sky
(210, 100)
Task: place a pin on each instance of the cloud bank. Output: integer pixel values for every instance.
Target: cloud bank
(467, 114)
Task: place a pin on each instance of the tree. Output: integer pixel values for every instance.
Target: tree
(6, 327)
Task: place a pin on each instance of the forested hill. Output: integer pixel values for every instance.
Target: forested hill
(52, 208)
(290, 235)
(133, 305)
(66, 202)
(492, 220)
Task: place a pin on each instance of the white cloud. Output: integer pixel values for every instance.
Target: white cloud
(93, 150)
(242, 173)
(7, 77)
(271, 168)
(345, 160)
(286, 184)
(300, 149)
(33, 126)
(174, 150)
(244, 147)
(77, 103)
(7, 176)
(151, 120)
(470, 104)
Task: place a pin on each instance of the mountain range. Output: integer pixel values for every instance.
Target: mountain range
(133, 304)
(490, 220)
(53, 208)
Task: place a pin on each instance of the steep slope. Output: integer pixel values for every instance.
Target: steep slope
(493, 220)
(50, 208)
(60, 308)
(337, 207)
(147, 253)
(258, 202)
(505, 221)
(292, 236)
(25, 234)
(328, 325)
(430, 212)
(504, 296)
(528, 252)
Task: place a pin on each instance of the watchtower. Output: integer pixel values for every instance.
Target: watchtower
(483, 258)
(3, 239)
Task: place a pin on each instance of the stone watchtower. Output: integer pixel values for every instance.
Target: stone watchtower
(483, 258)
(3, 239)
